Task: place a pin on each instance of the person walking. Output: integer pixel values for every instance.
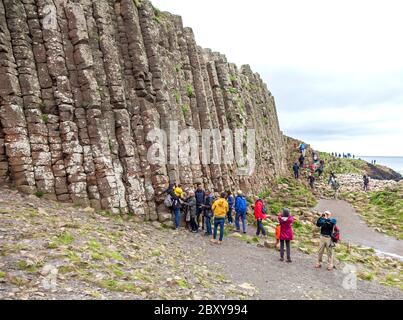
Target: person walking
(321, 168)
(301, 161)
(200, 198)
(311, 179)
(231, 203)
(260, 215)
(240, 211)
(302, 148)
(295, 169)
(366, 182)
(220, 209)
(327, 226)
(286, 233)
(334, 184)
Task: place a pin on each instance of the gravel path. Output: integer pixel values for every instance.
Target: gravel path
(356, 231)
(277, 280)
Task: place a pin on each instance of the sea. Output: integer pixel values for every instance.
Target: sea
(396, 163)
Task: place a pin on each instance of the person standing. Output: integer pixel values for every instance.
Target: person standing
(286, 234)
(295, 169)
(208, 213)
(200, 198)
(231, 203)
(176, 207)
(260, 215)
(220, 209)
(327, 225)
(192, 207)
(240, 211)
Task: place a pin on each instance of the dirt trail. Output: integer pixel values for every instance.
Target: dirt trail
(356, 231)
(277, 280)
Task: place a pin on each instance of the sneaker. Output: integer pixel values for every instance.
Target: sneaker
(282, 259)
(318, 266)
(289, 261)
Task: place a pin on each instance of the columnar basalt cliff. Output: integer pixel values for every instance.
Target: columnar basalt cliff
(82, 83)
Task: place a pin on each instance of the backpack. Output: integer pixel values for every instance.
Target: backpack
(336, 234)
(168, 201)
(242, 204)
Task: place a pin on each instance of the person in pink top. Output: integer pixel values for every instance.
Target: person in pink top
(286, 234)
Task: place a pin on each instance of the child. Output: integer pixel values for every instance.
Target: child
(278, 230)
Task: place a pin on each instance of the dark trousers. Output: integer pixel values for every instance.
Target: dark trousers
(260, 228)
(199, 216)
(219, 222)
(296, 174)
(229, 216)
(208, 225)
(288, 246)
(193, 224)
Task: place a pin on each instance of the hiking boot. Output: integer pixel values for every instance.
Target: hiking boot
(282, 259)
(289, 261)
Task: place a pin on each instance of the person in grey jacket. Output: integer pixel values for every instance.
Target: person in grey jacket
(192, 207)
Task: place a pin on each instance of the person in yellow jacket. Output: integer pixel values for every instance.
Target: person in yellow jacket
(220, 209)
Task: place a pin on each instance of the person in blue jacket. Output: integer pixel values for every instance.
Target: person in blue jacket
(302, 148)
(240, 211)
(231, 203)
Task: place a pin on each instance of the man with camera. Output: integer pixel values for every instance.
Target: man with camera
(327, 225)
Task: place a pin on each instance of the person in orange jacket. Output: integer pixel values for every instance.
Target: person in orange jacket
(278, 232)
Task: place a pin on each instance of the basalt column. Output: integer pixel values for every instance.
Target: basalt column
(86, 86)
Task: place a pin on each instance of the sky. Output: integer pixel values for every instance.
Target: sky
(335, 68)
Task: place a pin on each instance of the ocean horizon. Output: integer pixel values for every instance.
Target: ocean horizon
(395, 163)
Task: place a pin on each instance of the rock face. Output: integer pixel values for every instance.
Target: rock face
(83, 83)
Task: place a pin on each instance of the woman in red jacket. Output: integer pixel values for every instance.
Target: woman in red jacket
(286, 235)
(260, 216)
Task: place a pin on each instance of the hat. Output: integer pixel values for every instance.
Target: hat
(286, 212)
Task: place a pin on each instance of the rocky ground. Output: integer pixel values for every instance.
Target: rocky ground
(57, 251)
(53, 251)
